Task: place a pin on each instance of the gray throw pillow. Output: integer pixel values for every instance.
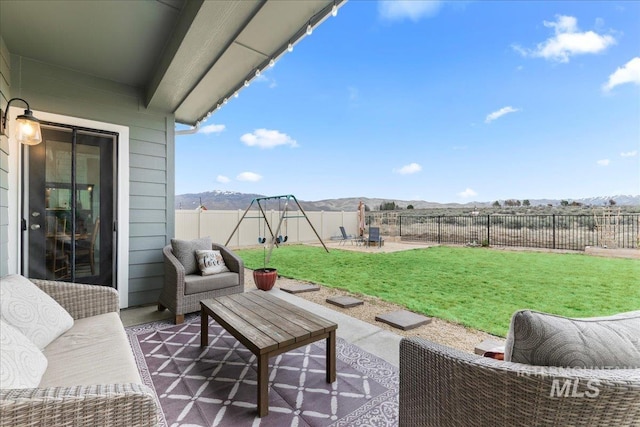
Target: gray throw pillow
(185, 251)
(543, 339)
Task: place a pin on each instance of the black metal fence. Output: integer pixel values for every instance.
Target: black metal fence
(572, 232)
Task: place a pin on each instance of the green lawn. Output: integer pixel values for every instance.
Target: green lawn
(476, 287)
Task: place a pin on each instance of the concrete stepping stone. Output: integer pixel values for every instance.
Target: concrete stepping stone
(345, 301)
(297, 289)
(488, 345)
(403, 319)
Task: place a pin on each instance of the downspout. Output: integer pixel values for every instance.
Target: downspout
(192, 130)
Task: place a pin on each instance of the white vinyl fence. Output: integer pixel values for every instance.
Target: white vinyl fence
(219, 224)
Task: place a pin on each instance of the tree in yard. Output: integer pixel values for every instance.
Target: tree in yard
(526, 202)
(612, 202)
(410, 207)
(496, 204)
(564, 203)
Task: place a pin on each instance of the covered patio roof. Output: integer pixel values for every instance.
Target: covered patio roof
(186, 56)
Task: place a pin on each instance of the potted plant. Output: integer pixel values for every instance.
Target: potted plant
(265, 277)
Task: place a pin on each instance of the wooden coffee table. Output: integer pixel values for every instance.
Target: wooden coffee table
(268, 326)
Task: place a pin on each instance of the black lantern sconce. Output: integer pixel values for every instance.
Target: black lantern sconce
(27, 127)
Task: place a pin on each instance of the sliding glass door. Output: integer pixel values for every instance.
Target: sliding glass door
(69, 205)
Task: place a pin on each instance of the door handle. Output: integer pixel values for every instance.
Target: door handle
(35, 226)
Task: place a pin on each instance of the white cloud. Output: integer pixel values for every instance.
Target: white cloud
(501, 112)
(267, 138)
(211, 129)
(397, 10)
(629, 73)
(408, 169)
(249, 176)
(603, 162)
(629, 153)
(222, 179)
(567, 41)
(467, 193)
(271, 83)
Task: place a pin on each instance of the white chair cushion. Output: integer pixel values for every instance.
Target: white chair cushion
(95, 351)
(21, 363)
(31, 311)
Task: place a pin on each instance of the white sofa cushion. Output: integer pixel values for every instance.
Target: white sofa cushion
(94, 351)
(21, 363)
(31, 311)
(543, 339)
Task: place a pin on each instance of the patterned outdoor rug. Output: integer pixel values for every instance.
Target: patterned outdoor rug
(217, 386)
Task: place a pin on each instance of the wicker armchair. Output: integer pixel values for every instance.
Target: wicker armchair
(444, 387)
(89, 405)
(177, 294)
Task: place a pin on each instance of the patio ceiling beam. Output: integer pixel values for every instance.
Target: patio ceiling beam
(217, 46)
(202, 34)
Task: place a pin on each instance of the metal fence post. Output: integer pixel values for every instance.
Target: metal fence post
(554, 230)
(488, 230)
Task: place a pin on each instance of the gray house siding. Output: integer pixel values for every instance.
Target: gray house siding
(151, 156)
(5, 95)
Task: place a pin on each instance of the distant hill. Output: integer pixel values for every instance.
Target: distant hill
(230, 200)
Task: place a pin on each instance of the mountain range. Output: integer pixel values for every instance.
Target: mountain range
(231, 200)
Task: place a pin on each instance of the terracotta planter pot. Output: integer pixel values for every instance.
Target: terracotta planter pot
(265, 278)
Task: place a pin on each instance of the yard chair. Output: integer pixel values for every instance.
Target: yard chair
(374, 237)
(184, 284)
(344, 236)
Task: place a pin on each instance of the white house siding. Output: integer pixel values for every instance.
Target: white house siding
(5, 95)
(151, 156)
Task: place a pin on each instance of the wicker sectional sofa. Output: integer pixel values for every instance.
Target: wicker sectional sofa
(91, 378)
(445, 387)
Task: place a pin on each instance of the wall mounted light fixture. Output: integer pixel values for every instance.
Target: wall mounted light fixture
(27, 127)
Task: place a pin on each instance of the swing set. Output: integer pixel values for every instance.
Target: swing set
(276, 237)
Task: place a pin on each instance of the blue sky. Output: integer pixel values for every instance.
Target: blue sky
(437, 101)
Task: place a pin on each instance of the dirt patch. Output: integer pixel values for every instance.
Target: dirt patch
(613, 252)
